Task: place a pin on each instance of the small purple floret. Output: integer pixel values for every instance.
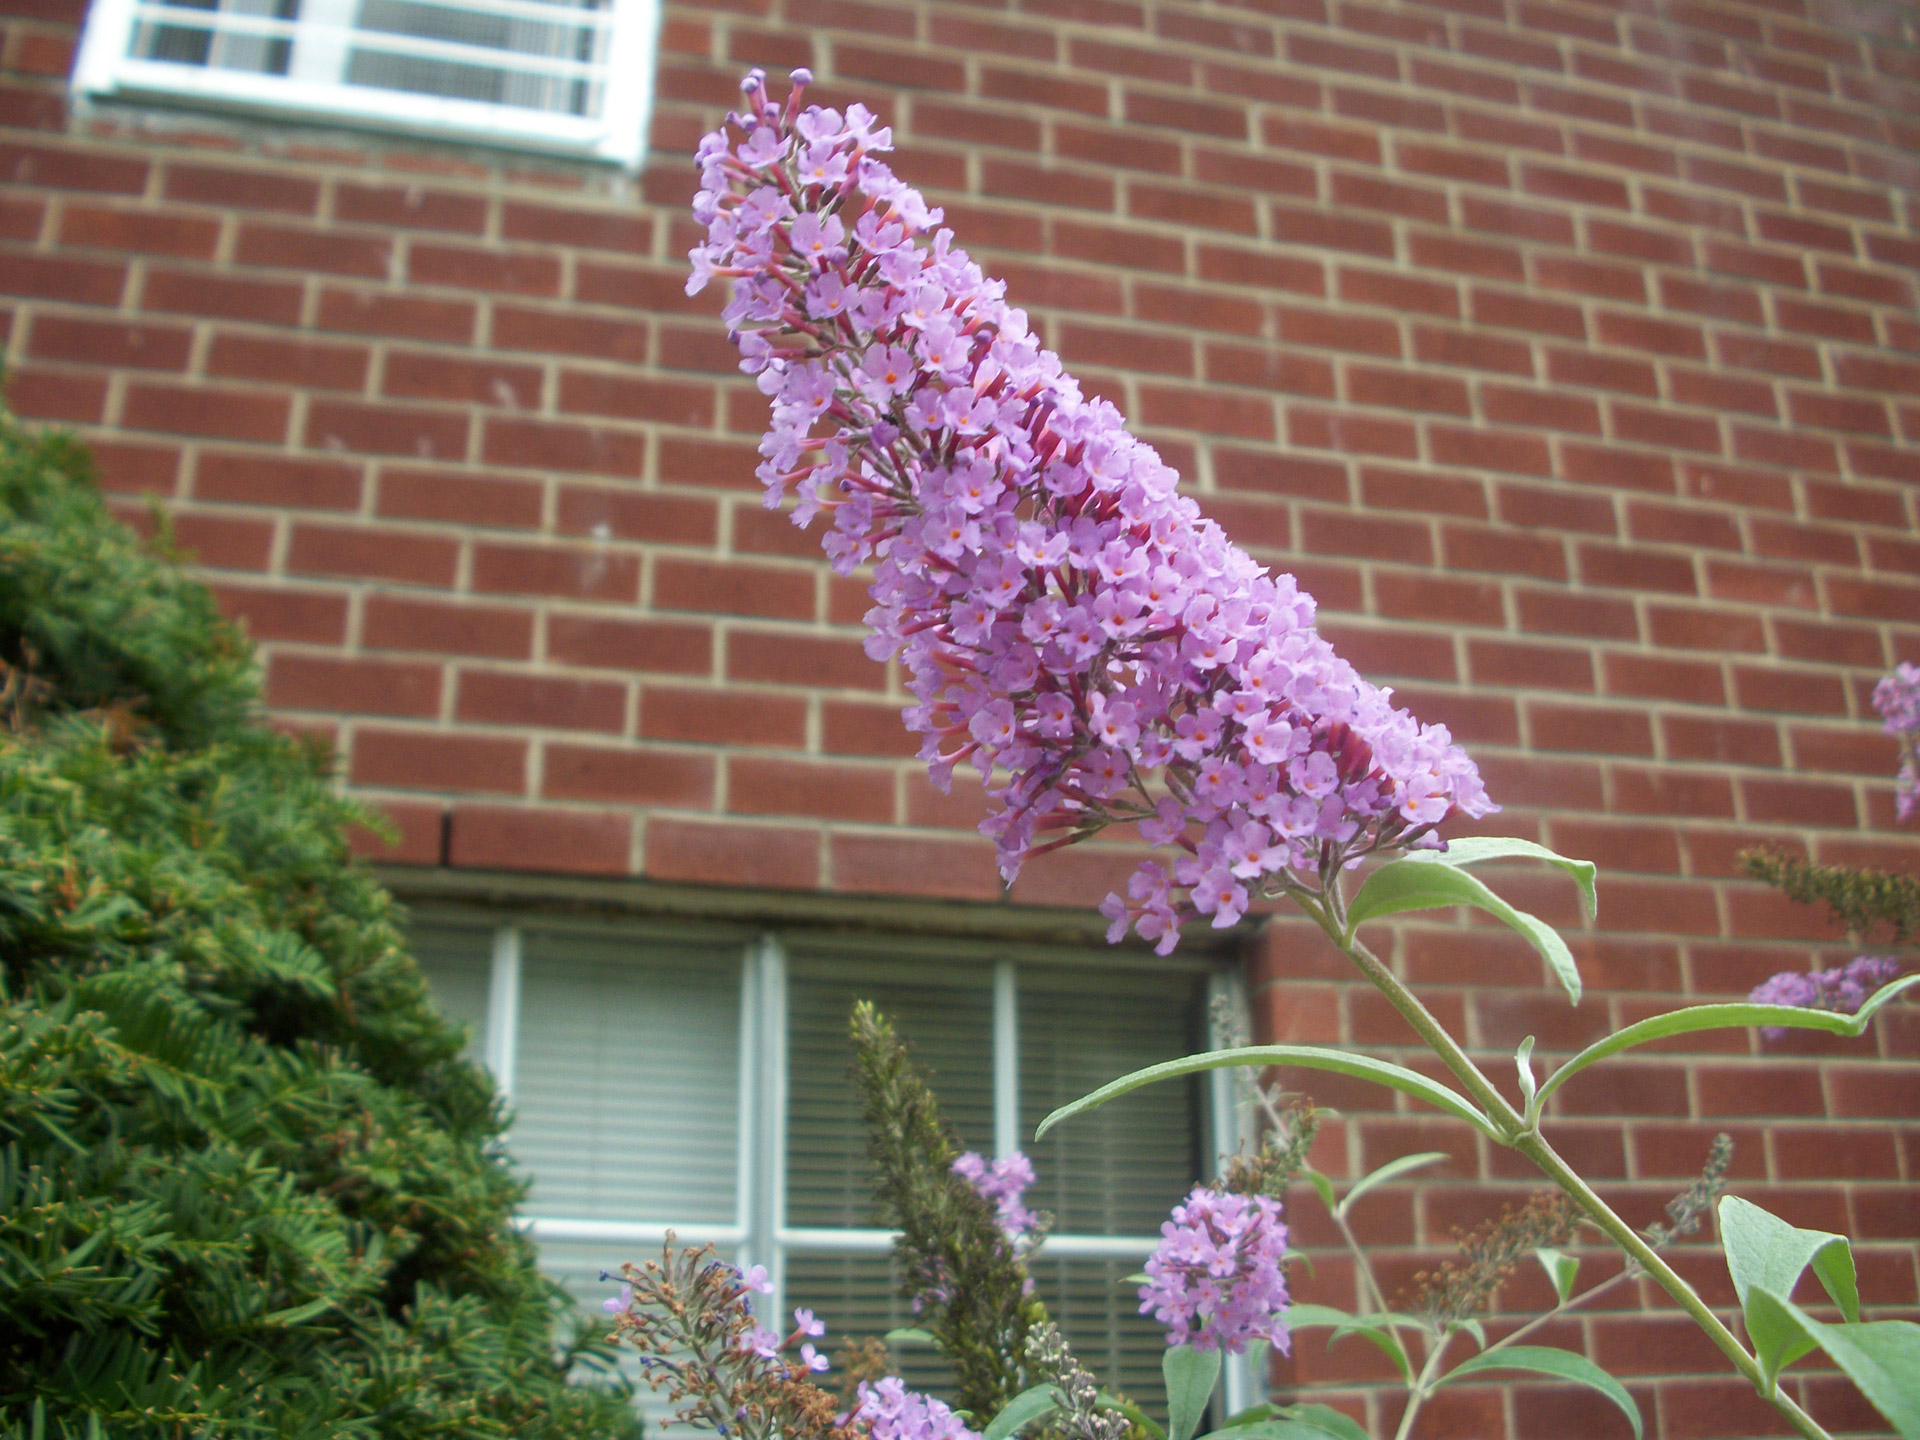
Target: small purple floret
(1897, 698)
(1003, 1182)
(893, 1412)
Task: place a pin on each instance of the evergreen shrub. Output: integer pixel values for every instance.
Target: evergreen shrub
(248, 1185)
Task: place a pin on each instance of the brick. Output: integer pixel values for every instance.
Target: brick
(511, 272)
(434, 375)
(631, 398)
(589, 572)
(284, 613)
(649, 776)
(500, 697)
(421, 759)
(291, 247)
(562, 446)
(860, 793)
(147, 232)
(207, 411)
(96, 342)
(403, 689)
(516, 837)
(459, 498)
(250, 189)
(306, 364)
(56, 395)
(72, 169)
(399, 622)
(784, 658)
(372, 554)
(735, 854)
(412, 432)
(401, 316)
(420, 827)
(409, 207)
(246, 478)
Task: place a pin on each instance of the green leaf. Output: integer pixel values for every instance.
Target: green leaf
(1777, 1338)
(1190, 1375)
(297, 1314)
(1561, 1364)
(1335, 1422)
(1110, 1401)
(1276, 1429)
(1392, 1170)
(1322, 1186)
(1256, 1360)
(1415, 884)
(1478, 849)
(1561, 1268)
(911, 1337)
(1370, 1329)
(1312, 1057)
(1473, 1328)
(1262, 1411)
(1882, 1357)
(1023, 1409)
(1305, 1317)
(1764, 1250)
(1736, 1016)
(1139, 1277)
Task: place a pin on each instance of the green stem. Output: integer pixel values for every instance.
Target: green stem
(1530, 1143)
(1417, 1391)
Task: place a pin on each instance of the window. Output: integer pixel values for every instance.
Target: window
(573, 76)
(698, 1080)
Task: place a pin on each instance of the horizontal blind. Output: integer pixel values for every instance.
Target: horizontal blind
(858, 1296)
(627, 1093)
(1118, 1169)
(457, 962)
(1100, 1315)
(945, 1013)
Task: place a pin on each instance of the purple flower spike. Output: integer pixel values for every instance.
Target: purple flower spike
(1897, 698)
(893, 1412)
(1069, 624)
(1215, 1281)
(1843, 991)
(1003, 1183)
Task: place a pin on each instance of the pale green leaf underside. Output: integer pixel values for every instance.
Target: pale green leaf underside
(1765, 1251)
(1312, 1057)
(1561, 1364)
(1882, 1357)
(1736, 1016)
(1430, 884)
(1190, 1376)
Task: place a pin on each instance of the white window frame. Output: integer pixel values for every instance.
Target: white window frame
(314, 89)
(760, 1234)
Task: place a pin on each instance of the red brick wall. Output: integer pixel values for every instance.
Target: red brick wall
(1567, 352)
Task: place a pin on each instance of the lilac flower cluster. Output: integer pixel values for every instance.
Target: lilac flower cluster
(1844, 990)
(768, 1344)
(1215, 1280)
(893, 1412)
(1003, 1182)
(1069, 624)
(1897, 698)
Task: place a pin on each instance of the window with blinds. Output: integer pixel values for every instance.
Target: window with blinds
(565, 75)
(700, 1082)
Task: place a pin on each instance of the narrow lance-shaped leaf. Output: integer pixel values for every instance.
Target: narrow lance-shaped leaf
(1480, 849)
(1561, 1364)
(1190, 1376)
(1025, 1408)
(1561, 1268)
(1312, 1057)
(1739, 1015)
(1414, 884)
(1392, 1170)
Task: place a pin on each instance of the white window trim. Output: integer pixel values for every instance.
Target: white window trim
(761, 1234)
(105, 70)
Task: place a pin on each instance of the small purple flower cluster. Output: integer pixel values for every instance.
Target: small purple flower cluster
(1070, 625)
(1002, 1182)
(768, 1344)
(1897, 698)
(1844, 990)
(893, 1412)
(1215, 1281)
